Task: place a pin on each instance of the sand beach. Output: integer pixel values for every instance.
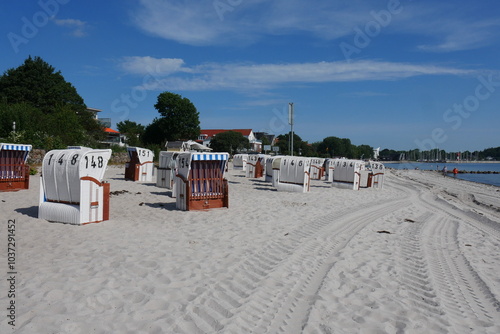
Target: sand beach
(420, 255)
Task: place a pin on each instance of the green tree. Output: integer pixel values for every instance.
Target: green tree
(337, 147)
(180, 119)
(26, 117)
(265, 141)
(229, 141)
(37, 83)
(493, 152)
(58, 129)
(132, 130)
(299, 146)
(44, 106)
(364, 152)
(346, 148)
(330, 147)
(389, 155)
(154, 133)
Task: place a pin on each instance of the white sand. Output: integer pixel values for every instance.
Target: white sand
(272, 263)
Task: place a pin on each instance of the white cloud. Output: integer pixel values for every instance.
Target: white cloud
(364, 94)
(222, 22)
(153, 66)
(78, 27)
(173, 74)
(447, 25)
(456, 36)
(189, 22)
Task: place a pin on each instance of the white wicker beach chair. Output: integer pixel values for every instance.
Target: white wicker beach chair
(329, 167)
(347, 173)
(317, 168)
(378, 172)
(294, 174)
(240, 161)
(140, 167)
(71, 186)
(256, 165)
(166, 169)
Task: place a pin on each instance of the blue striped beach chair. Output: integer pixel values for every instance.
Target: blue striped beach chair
(200, 183)
(14, 172)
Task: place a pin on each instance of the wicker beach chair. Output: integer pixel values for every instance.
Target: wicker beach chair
(72, 188)
(14, 172)
(200, 183)
(140, 167)
(294, 174)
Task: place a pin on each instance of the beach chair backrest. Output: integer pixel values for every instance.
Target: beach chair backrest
(200, 182)
(378, 170)
(167, 167)
(12, 155)
(294, 170)
(251, 166)
(240, 161)
(276, 163)
(269, 166)
(253, 158)
(187, 161)
(317, 165)
(276, 170)
(329, 167)
(78, 148)
(184, 164)
(168, 159)
(272, 168)
(338, 169)
(263, 160)
(140, 155)
(348, 171)
(377, 167)
(62, 171)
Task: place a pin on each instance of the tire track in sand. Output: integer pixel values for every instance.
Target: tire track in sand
(416, 274)
(468, 298)
(272, 291)
(455, 283)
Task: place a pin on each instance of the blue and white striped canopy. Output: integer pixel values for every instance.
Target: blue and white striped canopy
(15, 147)
(210, 156)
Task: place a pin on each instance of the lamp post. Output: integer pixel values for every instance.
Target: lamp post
(290, 121)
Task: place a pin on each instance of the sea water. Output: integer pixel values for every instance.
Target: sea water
(493, 179)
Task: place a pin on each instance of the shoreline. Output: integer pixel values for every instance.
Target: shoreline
(488, 177)
(440, 162)
(440, 174)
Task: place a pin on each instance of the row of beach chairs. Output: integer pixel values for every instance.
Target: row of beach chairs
(72, 189)
(294, 173)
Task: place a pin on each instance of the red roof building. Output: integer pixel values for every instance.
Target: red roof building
(109, 130)
(113, 137)
(207, 134)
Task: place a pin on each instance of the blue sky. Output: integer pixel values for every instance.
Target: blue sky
(391, 74)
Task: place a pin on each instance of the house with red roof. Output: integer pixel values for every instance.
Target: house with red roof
(207, 134)
(113, 137)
